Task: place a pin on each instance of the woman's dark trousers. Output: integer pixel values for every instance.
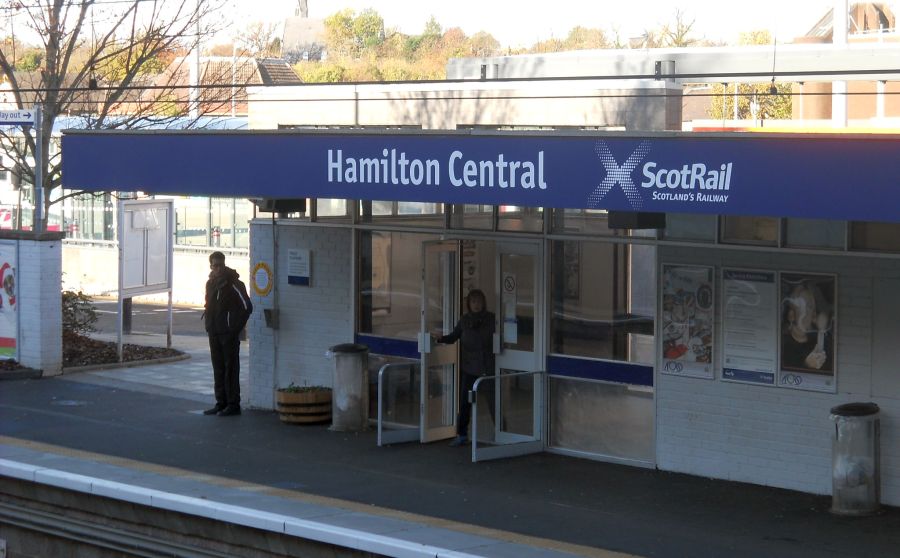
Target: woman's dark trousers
(485, 397)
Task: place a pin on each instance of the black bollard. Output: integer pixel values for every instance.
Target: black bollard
(126, 315)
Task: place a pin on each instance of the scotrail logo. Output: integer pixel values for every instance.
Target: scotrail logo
(616, 174)
(691, 183)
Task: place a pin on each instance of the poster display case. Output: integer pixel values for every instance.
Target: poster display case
(687, 320)
(749, 338)
(808, 326)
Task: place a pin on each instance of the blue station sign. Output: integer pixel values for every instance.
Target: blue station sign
(810, 176)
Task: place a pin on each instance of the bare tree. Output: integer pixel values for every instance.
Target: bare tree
(102, 64)
(260, 39)
(677, 34)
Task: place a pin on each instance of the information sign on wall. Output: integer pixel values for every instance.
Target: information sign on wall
(750, 348)
(687, 320)
(299, 267)
(510, 321)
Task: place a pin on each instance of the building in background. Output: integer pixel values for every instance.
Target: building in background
(303, 37)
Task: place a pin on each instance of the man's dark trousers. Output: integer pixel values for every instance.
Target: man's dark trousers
(224, 351)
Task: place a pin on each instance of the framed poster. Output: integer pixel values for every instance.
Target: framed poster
(687, 320)
(807, 333)
(470, 272)
(9, 308)
(749, 338)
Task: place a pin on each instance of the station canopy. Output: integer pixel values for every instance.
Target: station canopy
(813, 176)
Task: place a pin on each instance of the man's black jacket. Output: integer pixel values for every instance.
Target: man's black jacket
(228, 306)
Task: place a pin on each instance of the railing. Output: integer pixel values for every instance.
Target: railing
(400, 433)
(508, 445)
(183, 248)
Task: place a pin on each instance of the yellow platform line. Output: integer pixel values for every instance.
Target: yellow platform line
(306, 497)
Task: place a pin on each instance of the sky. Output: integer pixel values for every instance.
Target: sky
(523, 22)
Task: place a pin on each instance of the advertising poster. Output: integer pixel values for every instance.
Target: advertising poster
(470, 279)
(750, 342)
(9, 322)
(808, 326)
(687, 320)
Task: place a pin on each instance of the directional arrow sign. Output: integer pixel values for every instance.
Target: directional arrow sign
(16, 117)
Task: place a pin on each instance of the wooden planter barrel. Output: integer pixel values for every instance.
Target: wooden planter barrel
(303, 407)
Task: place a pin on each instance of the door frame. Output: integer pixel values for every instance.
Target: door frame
(509, 444)
(433, 354)
(531, 363)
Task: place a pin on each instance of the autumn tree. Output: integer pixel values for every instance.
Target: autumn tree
(348, 34)
(483, 43)
(547, 45)
(419, 46)
(752, 101)
(96, 62)
(361, 49)
(585, 38)
(454, 43)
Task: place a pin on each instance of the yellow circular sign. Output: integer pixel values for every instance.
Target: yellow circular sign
(261, 279)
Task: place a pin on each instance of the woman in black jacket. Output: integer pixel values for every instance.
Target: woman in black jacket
(475, 332)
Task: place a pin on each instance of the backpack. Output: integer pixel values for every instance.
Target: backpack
(244, 307)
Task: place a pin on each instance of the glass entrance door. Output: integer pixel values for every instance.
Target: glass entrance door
(518, 382)
(440, 311)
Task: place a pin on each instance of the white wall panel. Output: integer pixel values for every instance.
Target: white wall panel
(777, 436)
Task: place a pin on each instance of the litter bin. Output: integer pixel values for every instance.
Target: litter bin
(855, 459)
(350, 388)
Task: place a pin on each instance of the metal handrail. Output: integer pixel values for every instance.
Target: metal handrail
(474, 401)
(381, 374)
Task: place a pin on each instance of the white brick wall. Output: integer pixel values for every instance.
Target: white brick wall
(777, 436)
(40, 315)
(312, 319)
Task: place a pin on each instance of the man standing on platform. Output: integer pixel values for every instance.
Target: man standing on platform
(227, 310)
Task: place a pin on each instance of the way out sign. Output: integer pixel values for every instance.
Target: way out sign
(21, 117)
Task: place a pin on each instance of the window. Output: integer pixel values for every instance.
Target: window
(520, 219)
(603, 300)
(587, 417)
(479, 217)
(222, 212)
(243, 213)
(690, 227)
(390, 283)
(762, 231)
(90, 217)
(815, 233)
(879, 237)
(592, 221)
(402, 213)
(332, 210)
(192, 221)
